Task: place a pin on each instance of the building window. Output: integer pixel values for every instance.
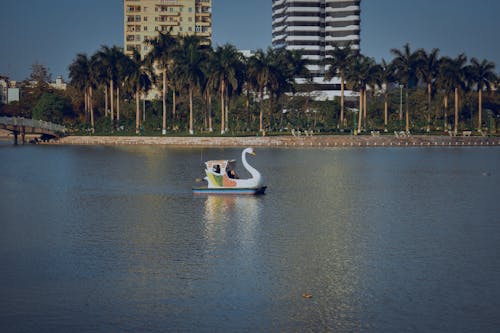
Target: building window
(190, 9)
(145, 28)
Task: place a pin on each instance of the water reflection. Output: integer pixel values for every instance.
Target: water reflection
(221, 211)
(112, 239)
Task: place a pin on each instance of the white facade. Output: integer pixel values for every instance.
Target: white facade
(13, 95)
(317, 27)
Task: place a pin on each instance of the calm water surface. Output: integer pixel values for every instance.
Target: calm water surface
(110, 239)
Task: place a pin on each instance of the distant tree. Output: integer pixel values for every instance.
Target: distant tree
(454, 71)
(427, 70)
(384, 76)
(190, 60)
(52, 107)
(40, 76)
(405, 65)
(483, 77)
(139, 81)
(338, 62)
(161, 54)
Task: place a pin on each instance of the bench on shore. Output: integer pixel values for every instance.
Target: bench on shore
(466, 133)
(375, 133)
(402, 134)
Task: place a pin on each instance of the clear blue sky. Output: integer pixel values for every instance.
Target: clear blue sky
(52, 32)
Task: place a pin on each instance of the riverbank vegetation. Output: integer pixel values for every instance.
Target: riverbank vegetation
(184, 86)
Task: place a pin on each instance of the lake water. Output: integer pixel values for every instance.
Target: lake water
(111, 239)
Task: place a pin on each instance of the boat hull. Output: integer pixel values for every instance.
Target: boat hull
(229, 190)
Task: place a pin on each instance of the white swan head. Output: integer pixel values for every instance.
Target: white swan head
(249, 150)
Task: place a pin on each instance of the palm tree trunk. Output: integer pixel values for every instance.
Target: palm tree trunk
(111, 90)
(222, 99)
(429, 94)
(174, 106)
(386, 112)
(480, 110)
(360, 115)
(365, 114)
(456, 111)
(407, 112)
(445, 101)
(91, 110)
(137, 111)
(118, 105)
(227, 109)
(105, 100)
(143, 108)
(247, 109)
(164, 100)
(85, 104)
(261, 115)
(341, 102)
(209, 110)
(191, 130)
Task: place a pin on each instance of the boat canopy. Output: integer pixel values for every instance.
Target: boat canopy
(220, 166)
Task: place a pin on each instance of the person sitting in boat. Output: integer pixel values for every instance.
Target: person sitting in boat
(217, 168)
(232, 174)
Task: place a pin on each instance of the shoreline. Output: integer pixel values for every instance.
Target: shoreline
(283, 141)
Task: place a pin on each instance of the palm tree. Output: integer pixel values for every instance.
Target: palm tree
(109, 57)
(190, 61)
(224, 72)
(427, 70)
(79, 74)
(257, 78)
(338, 62)
(359, 74)
(384, 76)
(163, 47)
(405, 64)
(454, 70)
(483, 77)
(139, 81)
(445, 85)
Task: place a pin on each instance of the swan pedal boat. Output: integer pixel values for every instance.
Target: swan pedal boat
(222, 178)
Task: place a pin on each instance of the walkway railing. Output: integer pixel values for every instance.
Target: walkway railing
(19, 121)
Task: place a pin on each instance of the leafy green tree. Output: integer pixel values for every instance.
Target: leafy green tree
(52, 108)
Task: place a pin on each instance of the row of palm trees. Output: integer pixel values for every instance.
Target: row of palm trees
(443, 76)
(188, 65)
(185, 64)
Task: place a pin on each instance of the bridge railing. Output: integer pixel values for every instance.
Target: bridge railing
(19, 121)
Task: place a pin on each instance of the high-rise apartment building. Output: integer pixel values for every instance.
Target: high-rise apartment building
(317, 27)
(144, 18)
